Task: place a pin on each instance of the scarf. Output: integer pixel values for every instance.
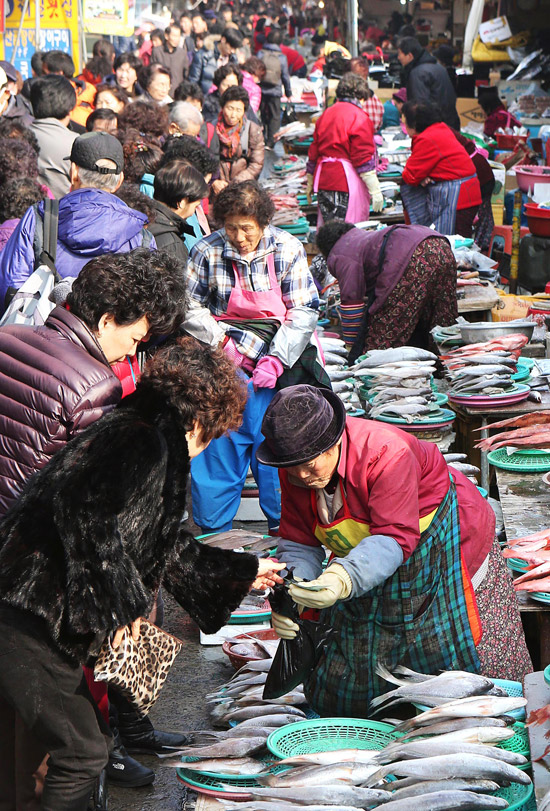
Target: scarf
(230, 137)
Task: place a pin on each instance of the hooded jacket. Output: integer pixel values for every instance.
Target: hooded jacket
(54, 382)
(91, 223)
(99, 528)
(428, 82)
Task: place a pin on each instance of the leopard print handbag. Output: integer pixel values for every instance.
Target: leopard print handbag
(138, 669)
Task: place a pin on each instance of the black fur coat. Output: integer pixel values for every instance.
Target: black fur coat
(99, 528)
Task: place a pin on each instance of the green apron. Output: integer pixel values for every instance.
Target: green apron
(418, 617)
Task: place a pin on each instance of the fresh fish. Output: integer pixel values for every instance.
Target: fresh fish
(454, 457)
(402, 353)
(443, 767)
(329, 795)
(352, 773)
(382, 398)
(248, 649)
(232, 747)
(255, 697)
(245, 766)
(208, 736)
(250, 680)
(259, 710)
(340, 386)
(456, 725)
(400, 391)
(434, 747)
(448, 685)
(274, 721)
(483, 705)
(266, 805)
(333, 359)
(408, 410)
(337, 373)
(261, 666)
(414, 789)
(485, 360)
(467, 470)
(480, 371)
(397, 372)
(447, 801)
(477, 735)
(332, 756)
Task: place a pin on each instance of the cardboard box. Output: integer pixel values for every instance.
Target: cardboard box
(468, 111)
(495, 30)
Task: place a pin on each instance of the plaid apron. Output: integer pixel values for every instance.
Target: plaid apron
(418, 618)
(435, 204)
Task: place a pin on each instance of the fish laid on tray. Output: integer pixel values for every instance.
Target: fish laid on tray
(483, 369)
(531, 431)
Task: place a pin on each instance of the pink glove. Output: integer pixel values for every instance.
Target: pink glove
(267, 371)
(233, 353)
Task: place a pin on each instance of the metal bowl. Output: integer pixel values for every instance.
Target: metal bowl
(482, 331)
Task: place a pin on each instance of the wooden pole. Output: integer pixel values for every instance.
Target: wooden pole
(514, 259)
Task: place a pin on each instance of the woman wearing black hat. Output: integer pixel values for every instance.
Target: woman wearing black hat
(413, 561)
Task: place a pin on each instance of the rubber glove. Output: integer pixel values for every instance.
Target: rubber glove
(335, 584)
(370, 179)
(284, 627)
(309, 188)
(266, 373)
(230, 349)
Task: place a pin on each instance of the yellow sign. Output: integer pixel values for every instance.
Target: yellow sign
(109, 17)
(58, 31)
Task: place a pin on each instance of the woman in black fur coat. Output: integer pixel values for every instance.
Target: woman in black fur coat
(89, 542)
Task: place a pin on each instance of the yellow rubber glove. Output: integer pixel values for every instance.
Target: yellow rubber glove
(309, 188)
(335, 584)
(370, 179)
(284, 627)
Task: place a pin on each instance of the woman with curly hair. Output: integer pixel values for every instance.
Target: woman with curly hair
(110, 97)
(251, 293)
(86, 547)
(17, 195)
(341, 163)
(147, 118)
(156, 81)
(142, 157)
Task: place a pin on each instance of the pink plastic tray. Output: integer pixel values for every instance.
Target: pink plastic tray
(414, 427)
(489, 402)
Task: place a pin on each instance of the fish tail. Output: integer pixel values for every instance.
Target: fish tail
(384, 673)
(376, 777)
(412, 674)
(385, 697)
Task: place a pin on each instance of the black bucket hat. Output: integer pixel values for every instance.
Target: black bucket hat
(300, 423)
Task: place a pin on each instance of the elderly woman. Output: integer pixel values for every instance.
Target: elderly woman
(395, 284)
(252, 293)
(156, 81)
(86, 547)
(341, 161)
(126, 67)
(185, 119)
(225, 77)
(178, 191)
(241, 141)
(440, 184)
(110, 97)
(415, 575)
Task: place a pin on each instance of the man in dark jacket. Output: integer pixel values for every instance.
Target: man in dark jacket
(276, 78)
(92, 220)
(213, 55)
(427, 81)
(171, 56)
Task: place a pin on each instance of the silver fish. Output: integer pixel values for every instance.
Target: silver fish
(248, 649)
(259, 710)
(433, 747)
(456, 725)
(407, 411)
(273, 721)
(245, 766)
(481, 735)
(266, 805)
(463, 708)
(468, 470)
(231, 747)
(333, 359)
(379, 356)
(447, 801)
(328, 795)
(331, 756)
(337, 373)
(414, 789)
(496, 368)
(443, 767)
(352, 773)
(340, 386)
(259, 665)
(455, 457)
(447, 685)
(208, 736)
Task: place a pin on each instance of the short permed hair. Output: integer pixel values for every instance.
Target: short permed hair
(235, 94)
(421, 116)
(146, 117)
(141, 156)
(18, 195)
(246, 199)
(17, 159)
(130, 194)
(201, 383)
(117, 92)
(352, 86)
(329, 234)
(129, 286)
(222, 73)
(187, 148)
(188, 90)
(128, 59)
(12, 128)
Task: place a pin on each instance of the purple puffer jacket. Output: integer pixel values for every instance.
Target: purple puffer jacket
(54, 382)
(6, 230)
(353, 261)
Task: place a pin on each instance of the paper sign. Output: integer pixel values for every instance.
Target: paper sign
(495, 30)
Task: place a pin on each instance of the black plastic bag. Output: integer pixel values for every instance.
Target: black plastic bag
(289, 115)
(295, 658)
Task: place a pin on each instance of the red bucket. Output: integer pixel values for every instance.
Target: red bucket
(538, 220)
(510, 141)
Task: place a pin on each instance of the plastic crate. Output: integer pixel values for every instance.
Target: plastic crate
(328, 734)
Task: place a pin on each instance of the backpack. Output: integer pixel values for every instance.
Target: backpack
(31, 303)
(273, 70)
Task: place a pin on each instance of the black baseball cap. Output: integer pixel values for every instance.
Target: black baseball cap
(9, 70)
(91, 147)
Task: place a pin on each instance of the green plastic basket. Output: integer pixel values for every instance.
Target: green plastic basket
(234, 780)
(534, 461)
(519, 743)
(328, 734)
(518, 796)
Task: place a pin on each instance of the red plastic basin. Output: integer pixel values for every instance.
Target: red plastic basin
(509, 141)
(538, 220)
(527, 176)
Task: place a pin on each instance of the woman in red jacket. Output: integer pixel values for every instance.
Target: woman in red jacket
(440, 184)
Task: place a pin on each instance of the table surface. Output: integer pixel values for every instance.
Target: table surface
(525, 502)
(496, 414)
(477, 298)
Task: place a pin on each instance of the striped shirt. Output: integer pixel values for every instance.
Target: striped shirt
(211, 278)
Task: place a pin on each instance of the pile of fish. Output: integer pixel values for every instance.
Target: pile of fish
(534, 550)
(398, 382)
(484, 369)
(446, 758)
(530, 431)
(252, 646)
(459, 461)
(341, 376)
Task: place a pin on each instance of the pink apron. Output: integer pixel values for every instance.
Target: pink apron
(359, 198)
(250, 304)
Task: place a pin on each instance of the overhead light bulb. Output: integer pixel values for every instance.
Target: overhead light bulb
(321, 4)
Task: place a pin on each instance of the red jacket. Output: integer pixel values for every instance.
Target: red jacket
(343, 131)
(294, 58)
(436, 153)
(390, 480)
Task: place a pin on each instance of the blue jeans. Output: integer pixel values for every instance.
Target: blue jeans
(218, 473)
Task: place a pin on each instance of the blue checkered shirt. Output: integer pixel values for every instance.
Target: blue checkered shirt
(211, 277)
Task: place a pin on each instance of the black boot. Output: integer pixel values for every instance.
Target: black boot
(123, 770)
(137, 731)
(98, 801)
